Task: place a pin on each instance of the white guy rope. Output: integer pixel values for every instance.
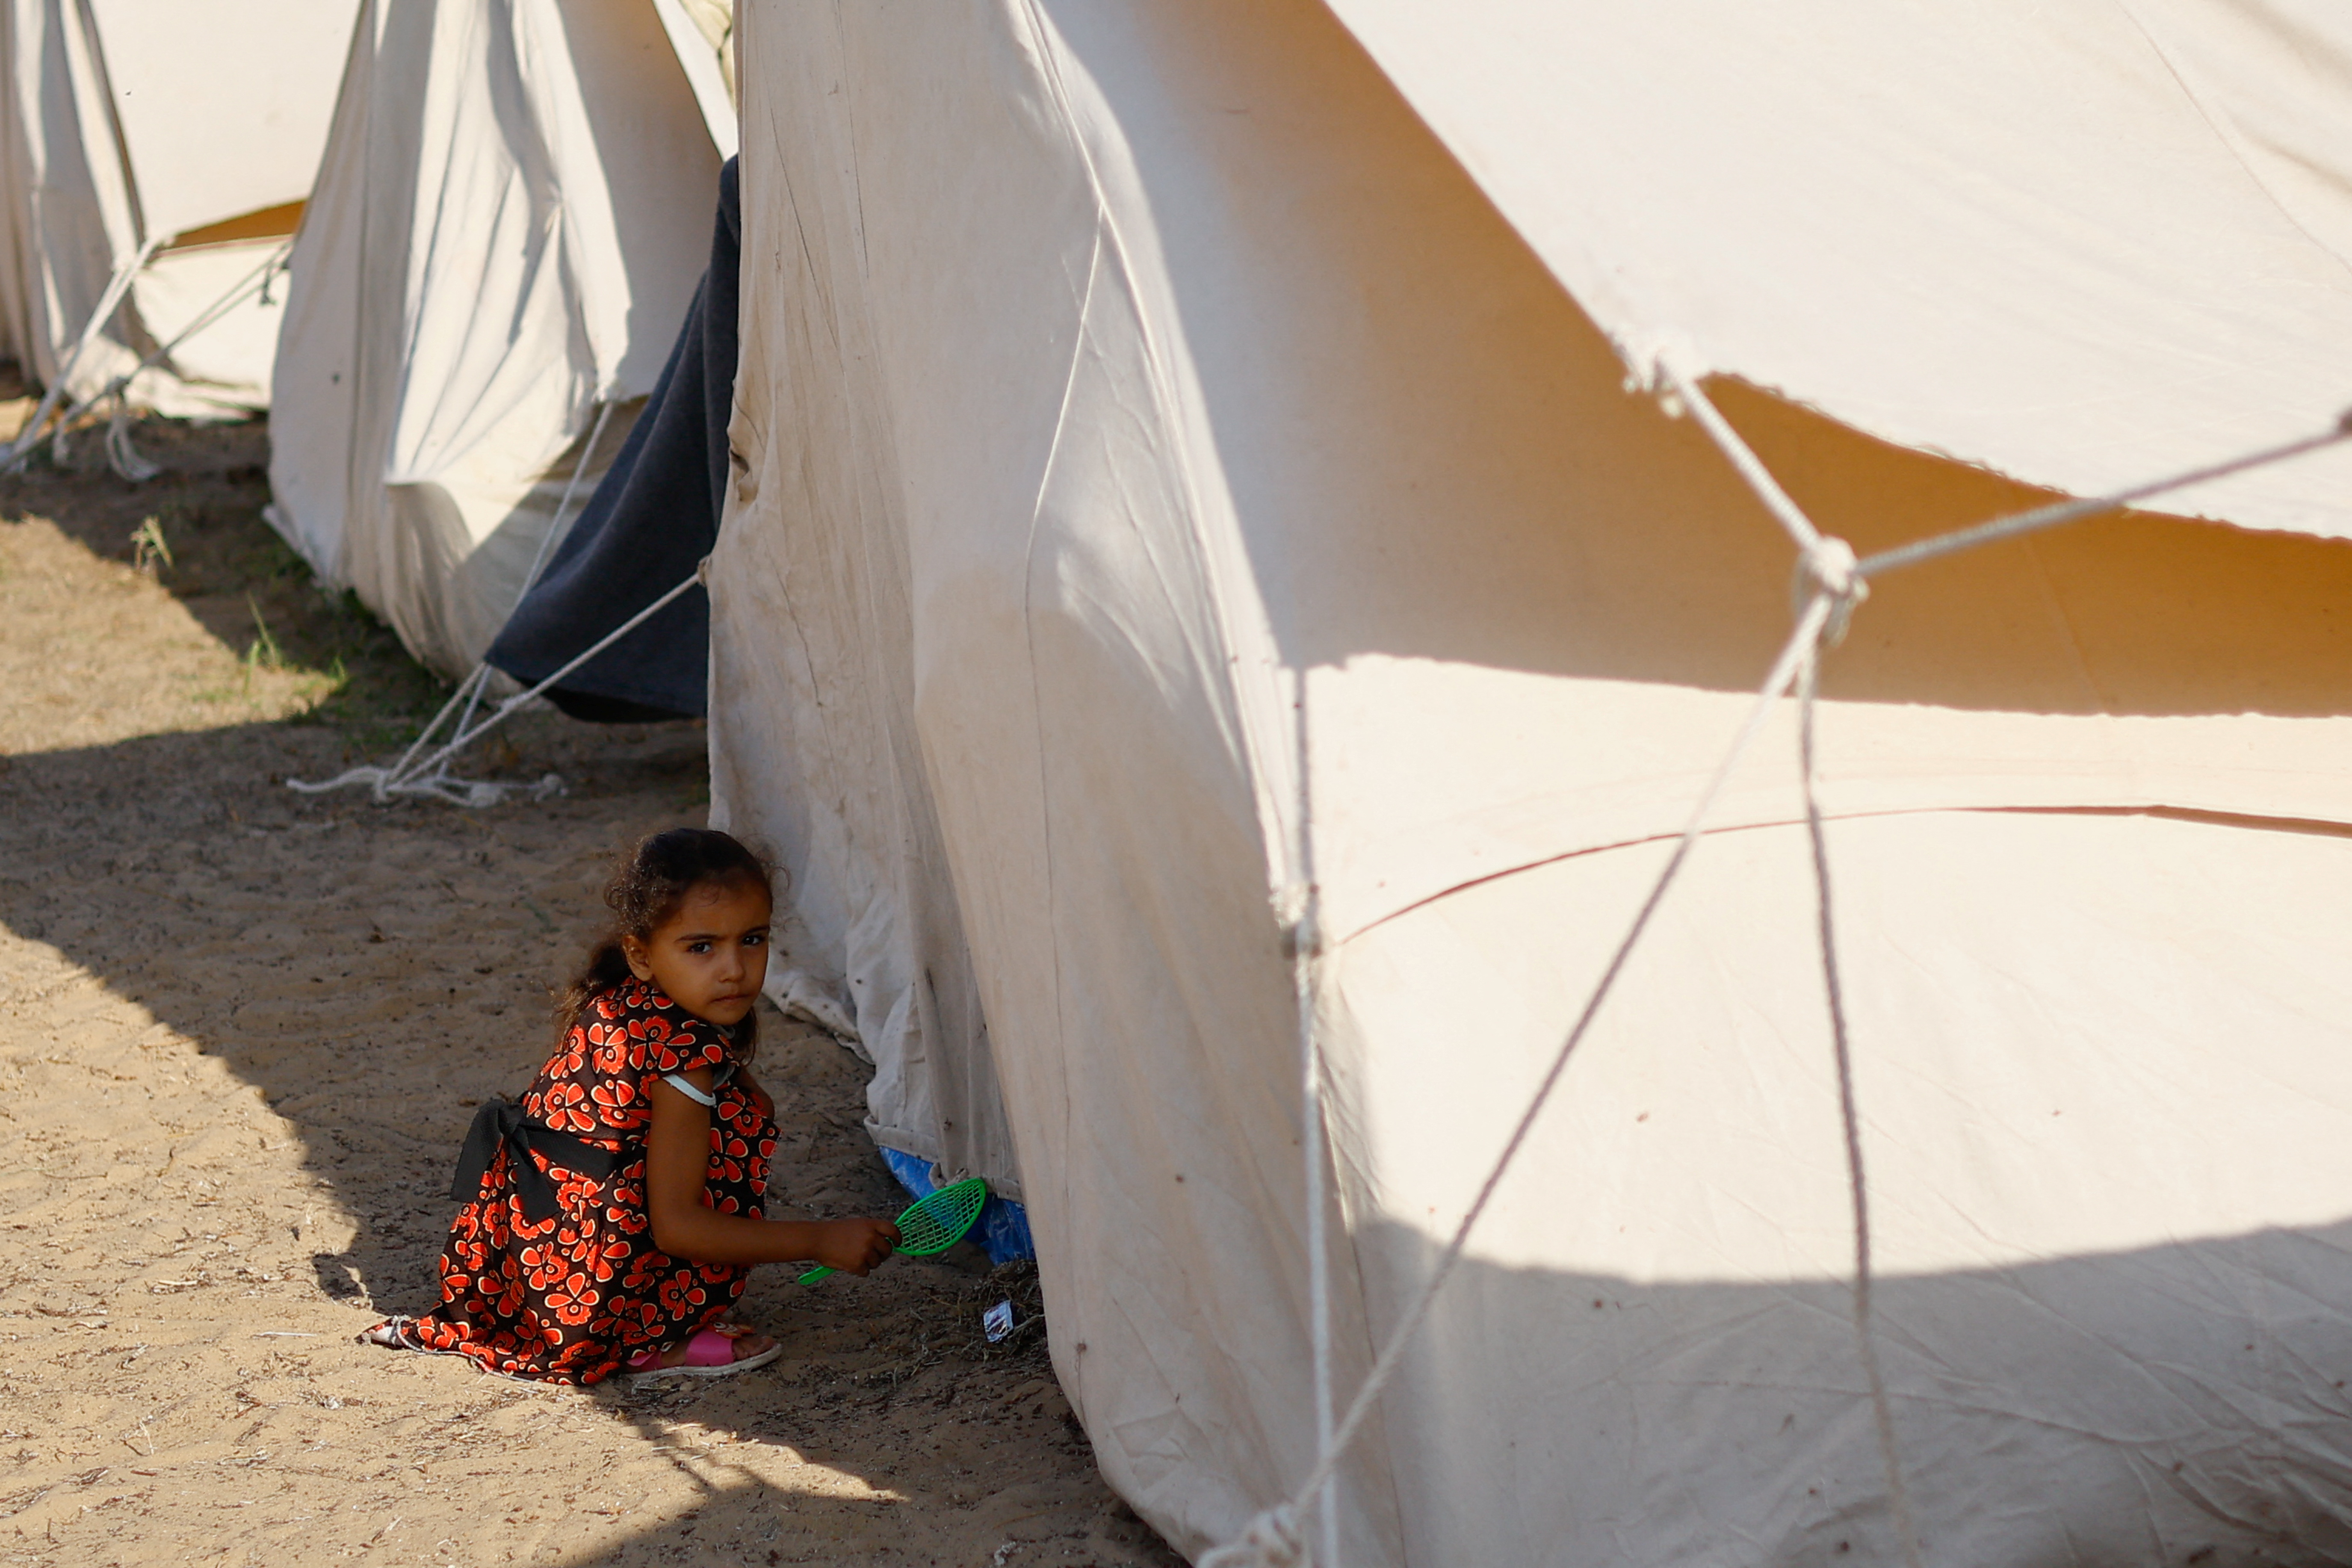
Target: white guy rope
(479, 676)
(1839, 581)
(465, 688)
(1275, 1530)
(1831, 562)
(1881, 1413)
(1302, 920)
(13, 459)
(2059, 513)
(124, 458)
(467, 737)
(1689, 399)
(431, 777)
(563, 504)
(428, 777)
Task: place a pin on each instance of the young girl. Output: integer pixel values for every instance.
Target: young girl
(612, 1217)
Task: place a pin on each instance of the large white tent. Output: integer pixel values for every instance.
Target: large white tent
(513, 212)
(163, 148)
(1194, 466)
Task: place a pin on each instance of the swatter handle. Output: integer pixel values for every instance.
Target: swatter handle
(819, 1273)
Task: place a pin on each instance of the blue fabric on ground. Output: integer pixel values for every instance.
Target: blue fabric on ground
(1003, 1229)
(653, 516)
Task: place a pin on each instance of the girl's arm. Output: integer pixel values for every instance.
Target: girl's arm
(678, 1163)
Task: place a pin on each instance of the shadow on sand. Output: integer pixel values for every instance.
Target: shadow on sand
(375, 971)
(372, 972)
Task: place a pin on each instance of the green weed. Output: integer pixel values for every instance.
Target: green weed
(149, 546)
(263, 652)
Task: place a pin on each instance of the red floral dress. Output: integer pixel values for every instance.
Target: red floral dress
(572, 1298)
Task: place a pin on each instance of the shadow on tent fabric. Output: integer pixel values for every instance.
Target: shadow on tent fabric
(654, 515)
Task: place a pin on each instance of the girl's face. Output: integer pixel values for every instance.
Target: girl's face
(711, 955)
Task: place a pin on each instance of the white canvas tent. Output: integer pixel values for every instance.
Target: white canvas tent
(513, 213)
(164, 147)
(1187, 458)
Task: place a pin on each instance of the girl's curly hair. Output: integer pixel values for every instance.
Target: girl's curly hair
(646, 889)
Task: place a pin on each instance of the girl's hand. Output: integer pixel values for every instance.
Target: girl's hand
(677, 1160)
(855, 1246)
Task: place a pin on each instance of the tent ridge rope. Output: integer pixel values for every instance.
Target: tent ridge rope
(1836, 580)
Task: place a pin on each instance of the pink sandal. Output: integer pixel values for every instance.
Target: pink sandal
(710, 1353)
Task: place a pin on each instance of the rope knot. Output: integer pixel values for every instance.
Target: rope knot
(1828, 565)
(1294, 907)
(1830, 561)
(1269, 1541)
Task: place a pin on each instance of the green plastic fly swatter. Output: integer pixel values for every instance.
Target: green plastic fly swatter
(932, 1223)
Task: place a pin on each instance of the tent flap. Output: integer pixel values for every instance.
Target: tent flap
(507, 230)
(2085, 245)
(126, 122)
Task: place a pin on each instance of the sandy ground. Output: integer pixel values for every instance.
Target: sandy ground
(241, 1031)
